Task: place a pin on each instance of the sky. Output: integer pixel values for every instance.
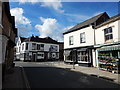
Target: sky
(53, 18)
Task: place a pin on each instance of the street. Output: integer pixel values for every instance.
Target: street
(46, 75)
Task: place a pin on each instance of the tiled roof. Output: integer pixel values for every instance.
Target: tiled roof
(42, 40)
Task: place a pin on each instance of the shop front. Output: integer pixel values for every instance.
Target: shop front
(80, 56)
(109, 58)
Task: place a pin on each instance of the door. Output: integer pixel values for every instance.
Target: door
(74, 56)
(46, 56)
(34, 57)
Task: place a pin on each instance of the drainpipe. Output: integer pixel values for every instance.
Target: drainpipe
(94, 45)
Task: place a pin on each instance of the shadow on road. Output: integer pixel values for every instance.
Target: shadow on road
(53, 77)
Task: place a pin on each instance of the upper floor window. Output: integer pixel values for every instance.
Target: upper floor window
(71, 40)
(22, 46)
(40, 46)
(108, 33)
(26, 46)
(53, 48)
(82, 38)
(33, 46)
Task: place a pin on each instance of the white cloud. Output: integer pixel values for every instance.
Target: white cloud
(30, 1)
(19, 18)
(55, 4)
(76, 18)
(51, 28)
(23, 23)
(48, 27)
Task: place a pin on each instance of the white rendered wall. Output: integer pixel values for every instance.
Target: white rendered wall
(89, 36)
(99, 33)
(46, 46)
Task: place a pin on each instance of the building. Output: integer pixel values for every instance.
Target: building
(79, 41)
(61, 51)
(107, 45)
(8, 33)
(37, 49)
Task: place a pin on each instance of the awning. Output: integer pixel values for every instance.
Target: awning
(82, 49)
(109, 48)
(67, 52)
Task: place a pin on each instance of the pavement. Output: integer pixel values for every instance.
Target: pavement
(93, 71)
(0, 76)
(15, 79)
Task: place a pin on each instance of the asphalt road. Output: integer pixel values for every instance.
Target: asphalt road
(46, 76)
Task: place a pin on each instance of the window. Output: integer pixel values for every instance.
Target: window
(108, 33)
(82, 56)
(82, 37)
(22, 46)
(26, 46)
(40, 46)
(53, 48)
(71, 40)
(33, 46)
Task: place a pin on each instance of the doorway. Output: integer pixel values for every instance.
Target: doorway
(34, 57)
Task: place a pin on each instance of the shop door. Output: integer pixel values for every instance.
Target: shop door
(74, 56)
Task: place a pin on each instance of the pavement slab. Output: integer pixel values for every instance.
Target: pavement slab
(14, 80)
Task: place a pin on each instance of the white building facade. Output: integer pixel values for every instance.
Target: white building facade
(30, 50)
(79, 41)
(107, 46)
(90, 41)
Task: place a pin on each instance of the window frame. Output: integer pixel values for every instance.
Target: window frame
(71, 41)
(26, 46)
(82, 38)
(108, 34)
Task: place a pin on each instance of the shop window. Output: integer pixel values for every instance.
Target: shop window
(82, 56)
(108, 60)
(108, 33)
(41, 55)
(71, 40)
(82, 37)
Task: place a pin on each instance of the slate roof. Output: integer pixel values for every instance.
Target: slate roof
(85, 23)
(42, 40)
(22, 39)
(112, 19)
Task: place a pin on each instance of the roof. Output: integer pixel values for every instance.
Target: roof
(22, 39)
(42, 40)
(112, 19)
(85, 23)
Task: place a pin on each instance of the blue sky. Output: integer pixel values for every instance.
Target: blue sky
(52, 19)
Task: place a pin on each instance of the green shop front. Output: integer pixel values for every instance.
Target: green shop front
(109, 57)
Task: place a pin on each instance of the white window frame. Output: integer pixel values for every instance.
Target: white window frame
(82, 38)
(71, 40)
